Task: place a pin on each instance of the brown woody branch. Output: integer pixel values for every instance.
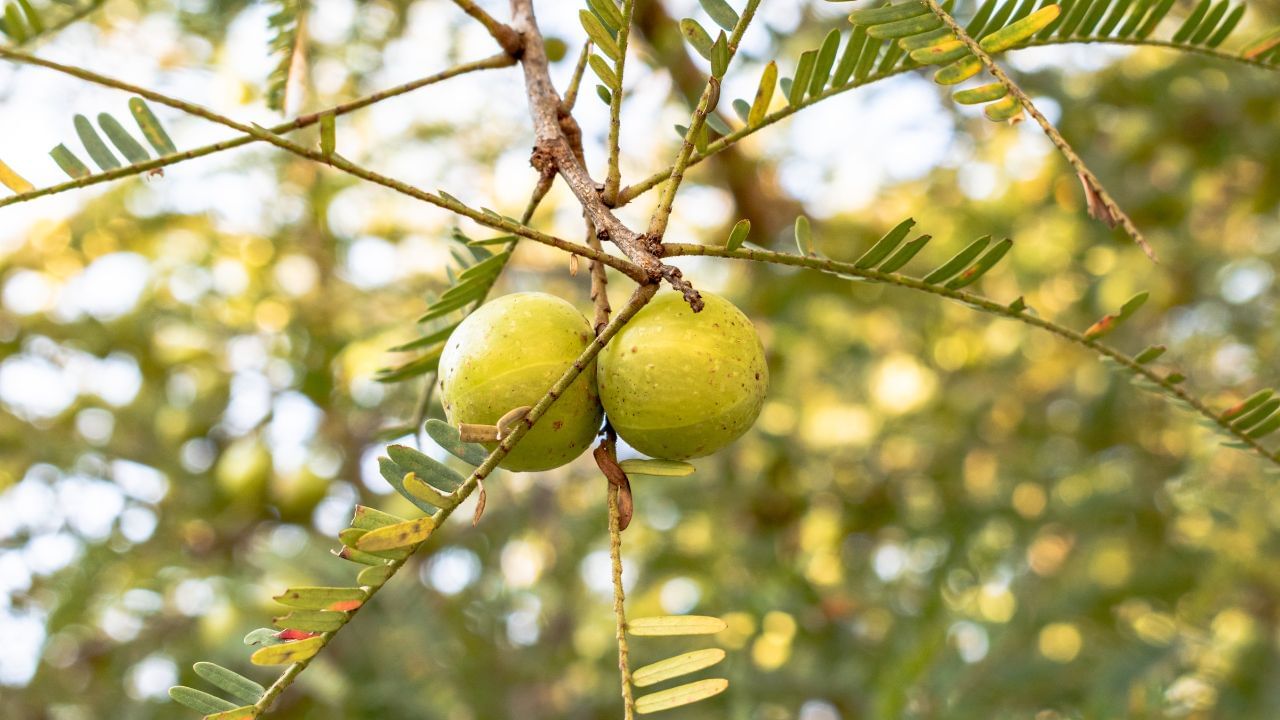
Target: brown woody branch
(557, 134)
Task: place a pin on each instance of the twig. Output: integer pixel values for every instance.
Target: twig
(302, 121)
(1170, 387)
(619, 593)
(575, 82)
(337, 161)
(710, 98)
(1101, 205)
(554, 128)
(613, 176)
(638, 299)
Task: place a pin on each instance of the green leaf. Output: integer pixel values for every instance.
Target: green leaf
(979, 268)
(940, 54)
(348, 552)
(599, 35)
(248, 712)
(1210, 22)
(958, 262)
(672, 667)
(659, 468)
(981, 94)
(1248, 404)
(697, 36)
(1132, 304)
(608, 13)
(804, 235)
(980, 18)
(374, 575)
(14, 25)
(905, 254)
(888, 13)
(1266, 428)
(1192, 22)
(198, 700)
(764, 94)
(867, 60)
(328, 134)
(1257, 415)
(150, 126)
(601, 68)
(1225, 29)
(132, 151)
(681, 695)
(666, 625)
(720, 56)
(1157, 14)
(799, 84)
(603, 93)
(885, 245)
(310, 620)
(424, 467)
(97, 149)
(288, 653)
(1017, 306)
(33, 17)
(1017, 32)
(738, 235)
(409, 532)
(69, 163)
(903, 28)
(716, 123)
(826, 59)
(849, 59)
(263, 636)
(742, 108)
(721, 13)
(1150, 354)
(323, 598)
(233, 683)
(928, 39)
(446, 436)
(394, 475)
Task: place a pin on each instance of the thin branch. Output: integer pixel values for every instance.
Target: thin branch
(710, 98)
(1170, 387)
(613, 178)
(491, 220)
(638, 299)
(575, 82)
(631, 192)
(508, 39)
(554, 151)
(619, 593)
(302, 121)
(1110, 211)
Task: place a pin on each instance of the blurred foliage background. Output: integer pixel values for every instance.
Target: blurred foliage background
(938, 514)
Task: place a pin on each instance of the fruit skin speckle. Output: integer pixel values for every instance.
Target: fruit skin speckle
(507, 354)
(678, 384)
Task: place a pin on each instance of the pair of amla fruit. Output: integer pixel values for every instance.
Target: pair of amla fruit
(676, 384)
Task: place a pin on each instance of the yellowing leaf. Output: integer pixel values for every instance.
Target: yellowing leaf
(288, 653)
(399, 535)
(682, 695)
(675, 625)
(683, 664)
(661, 468)
(13, 180)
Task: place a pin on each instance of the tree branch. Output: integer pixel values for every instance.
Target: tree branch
(302, 121)
(508, 39)
(334, 160)
(1171, 388)
(1101, 205)
(554, 150)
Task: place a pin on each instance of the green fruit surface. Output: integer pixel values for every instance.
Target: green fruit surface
(678, 384)
(506, 355)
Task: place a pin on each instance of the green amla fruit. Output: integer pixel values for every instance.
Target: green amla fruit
(506, 355)
(678, 384)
